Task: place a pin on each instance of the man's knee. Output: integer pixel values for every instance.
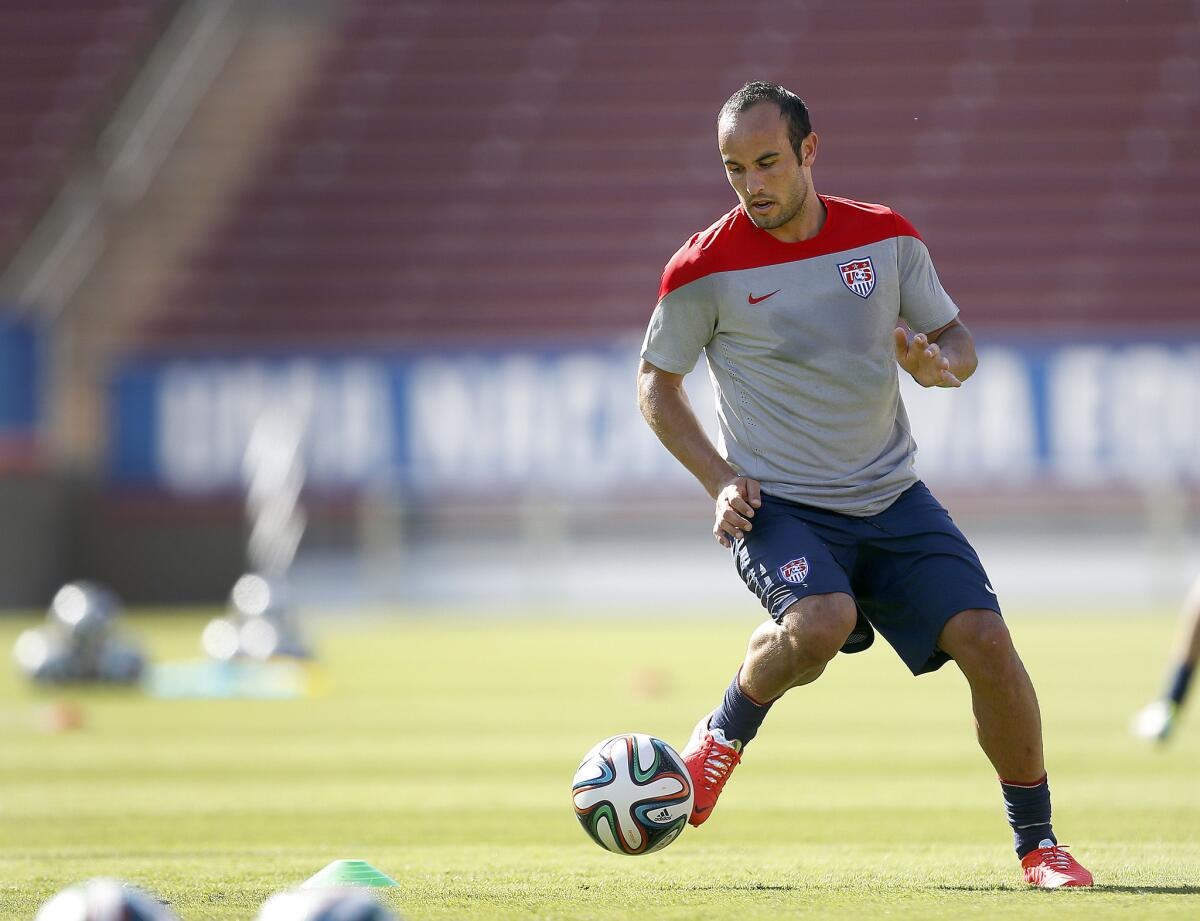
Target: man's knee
(815, 628)
(978, 638)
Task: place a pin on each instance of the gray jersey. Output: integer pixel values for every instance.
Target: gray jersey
(798, 338)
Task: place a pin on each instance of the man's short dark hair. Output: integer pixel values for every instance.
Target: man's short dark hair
(791, 107)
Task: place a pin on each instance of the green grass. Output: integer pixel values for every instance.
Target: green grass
(443, 749)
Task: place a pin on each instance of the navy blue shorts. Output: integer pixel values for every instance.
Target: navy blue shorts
(908, 568)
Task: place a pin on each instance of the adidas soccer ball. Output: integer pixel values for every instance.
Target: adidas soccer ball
(632, 794)
(103, 900)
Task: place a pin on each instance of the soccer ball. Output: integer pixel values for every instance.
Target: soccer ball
(632, 794)
(104, 900)
(80, 641)
(85, 610)
(44, 655)
(337, 904)
(259, 624)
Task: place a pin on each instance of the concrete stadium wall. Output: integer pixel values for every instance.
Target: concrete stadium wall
(149, 550)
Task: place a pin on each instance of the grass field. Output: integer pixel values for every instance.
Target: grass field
(443, 748)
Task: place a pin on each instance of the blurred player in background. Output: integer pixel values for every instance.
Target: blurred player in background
(1156, 720)
(804, 305)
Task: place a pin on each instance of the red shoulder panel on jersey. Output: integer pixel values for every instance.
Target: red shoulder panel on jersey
(734, 243)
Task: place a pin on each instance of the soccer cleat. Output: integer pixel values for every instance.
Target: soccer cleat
(1051, 867)
(710, 759)
(1155, 721)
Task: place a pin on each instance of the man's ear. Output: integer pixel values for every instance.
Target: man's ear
(808, 147)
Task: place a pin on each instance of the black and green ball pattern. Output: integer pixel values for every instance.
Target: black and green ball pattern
(632, 794)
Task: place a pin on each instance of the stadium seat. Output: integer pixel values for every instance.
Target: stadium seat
(63, 65)
(520, 170)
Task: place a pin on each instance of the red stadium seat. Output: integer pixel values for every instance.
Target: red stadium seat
(524, 169)
(62, 64)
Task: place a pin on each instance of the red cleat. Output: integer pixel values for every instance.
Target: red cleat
(710, 759)
(1052, 867)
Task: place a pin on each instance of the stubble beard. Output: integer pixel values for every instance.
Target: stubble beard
(798, 205)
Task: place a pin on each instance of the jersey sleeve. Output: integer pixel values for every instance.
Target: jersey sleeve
(924, 303)
(683, 323)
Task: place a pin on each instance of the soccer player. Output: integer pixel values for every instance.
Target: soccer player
(1156, 720)
(804, 305)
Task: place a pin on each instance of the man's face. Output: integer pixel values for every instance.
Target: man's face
(762, 167)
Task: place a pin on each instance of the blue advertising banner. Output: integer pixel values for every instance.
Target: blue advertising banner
(565, 420)
(20, 376)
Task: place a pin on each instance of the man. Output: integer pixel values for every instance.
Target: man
(1155, 721)
(797, 301)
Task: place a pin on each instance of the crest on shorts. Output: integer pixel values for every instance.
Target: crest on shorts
(794, 570)
(858, 275)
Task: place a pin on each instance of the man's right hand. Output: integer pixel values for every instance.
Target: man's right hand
(736, 502)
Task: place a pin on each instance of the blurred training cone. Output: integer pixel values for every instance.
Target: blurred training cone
(650, 683)
(60, 716)
(350, 873)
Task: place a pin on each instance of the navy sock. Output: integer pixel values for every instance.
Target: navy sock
(1028, 807)
(738, 716)
(1178, 688)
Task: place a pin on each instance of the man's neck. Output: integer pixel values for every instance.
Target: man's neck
(805, 225)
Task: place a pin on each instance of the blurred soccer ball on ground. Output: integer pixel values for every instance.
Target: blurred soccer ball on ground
(86, 611)
(258, 625)
(104, 900)
(220, 639)
(79, 641)
(43, 654)
(338, 904)
(632, 794)
(254, 595)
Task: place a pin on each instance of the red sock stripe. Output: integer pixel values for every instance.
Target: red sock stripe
(1017, 783)
(747, 696)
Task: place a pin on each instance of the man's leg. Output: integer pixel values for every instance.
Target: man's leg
(1187, 650)
(1008, 721)
(1156, 720)
(1009, 725)
(780, 656)
(795, 651)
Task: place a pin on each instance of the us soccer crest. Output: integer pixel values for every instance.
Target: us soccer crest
(858, 275)
(795, 571)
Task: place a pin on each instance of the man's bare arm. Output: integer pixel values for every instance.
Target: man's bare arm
(668, 411)
(666, 408)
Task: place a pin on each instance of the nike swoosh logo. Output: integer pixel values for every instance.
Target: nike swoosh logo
(700, 810)
(751, 299)
(988, 586)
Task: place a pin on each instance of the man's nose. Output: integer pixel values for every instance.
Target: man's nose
(754, 182)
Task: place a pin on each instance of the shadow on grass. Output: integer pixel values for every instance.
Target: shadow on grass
(964, 887)
(746, 887)
(1152, 890)
(976, 887)
(1133, 890)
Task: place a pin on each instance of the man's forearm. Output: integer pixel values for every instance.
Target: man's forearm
(666, 409)
(958, 348)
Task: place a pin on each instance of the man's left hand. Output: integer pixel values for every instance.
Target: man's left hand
(924, 360)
